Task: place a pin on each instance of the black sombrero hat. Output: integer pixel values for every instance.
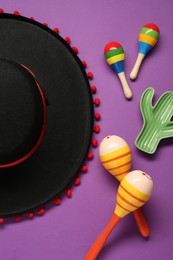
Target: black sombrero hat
(46, 115)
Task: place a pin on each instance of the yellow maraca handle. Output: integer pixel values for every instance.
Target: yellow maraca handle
(141, 223)
(99, 243)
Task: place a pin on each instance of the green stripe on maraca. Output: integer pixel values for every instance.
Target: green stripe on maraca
(113, 53)
(150, 32)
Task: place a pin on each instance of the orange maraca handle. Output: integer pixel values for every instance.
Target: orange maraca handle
(99, 243)
(141, 223)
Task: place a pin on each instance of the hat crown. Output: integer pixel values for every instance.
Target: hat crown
(21, 113)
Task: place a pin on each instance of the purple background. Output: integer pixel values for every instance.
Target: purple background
(67, 231)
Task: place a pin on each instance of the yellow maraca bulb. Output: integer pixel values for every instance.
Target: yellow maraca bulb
(134, 191)
(115, 155)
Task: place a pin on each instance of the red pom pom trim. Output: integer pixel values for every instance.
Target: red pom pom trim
(96, 102)
(69, 193)
(68, 40)
(97, 116)
(1, 10)
(97, 129)
(57, 201)
(18, 218)
(56, 30)
(40, 211)
(84, 63)
(90, 156)
(75, 49)
(93, 89)
(16, 12)
(84, 168)
(90, 75)
(77, 181)
(2, 220)
(94, 143)
(31, 215)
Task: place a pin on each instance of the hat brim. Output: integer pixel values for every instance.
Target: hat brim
(50, 170)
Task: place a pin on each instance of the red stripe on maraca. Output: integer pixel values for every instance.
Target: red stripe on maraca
(119, 166)
(152, 26)
(111, 46)
(118, 157)
(136, 207)
(143, 201)
(121, 173)
(123, 207)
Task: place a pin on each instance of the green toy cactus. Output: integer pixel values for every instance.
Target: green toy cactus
(157, 122)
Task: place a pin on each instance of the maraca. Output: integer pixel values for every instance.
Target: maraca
(116, 158)
(134, 191)
(114, 55)
(148, 38)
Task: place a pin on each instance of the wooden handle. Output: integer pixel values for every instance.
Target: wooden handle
(137, 65)
(125, 86)
(141, 223)
(99, 243)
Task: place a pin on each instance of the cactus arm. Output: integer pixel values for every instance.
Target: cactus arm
(166, 131)
(157, 123)
(146, 104)
(163, 109)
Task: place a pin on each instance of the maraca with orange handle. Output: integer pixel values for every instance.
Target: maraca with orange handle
(148, 38)
(134, 191)
(116, 158)
(114, 55)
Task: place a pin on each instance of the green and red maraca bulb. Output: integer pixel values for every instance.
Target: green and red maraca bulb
(114, 55)
(148, 37)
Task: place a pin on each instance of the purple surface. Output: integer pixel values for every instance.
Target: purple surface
(68, 231)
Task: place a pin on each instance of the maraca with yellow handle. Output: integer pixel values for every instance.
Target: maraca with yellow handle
(134, 191)
(148, 38)
(116, 158)
(114, 55)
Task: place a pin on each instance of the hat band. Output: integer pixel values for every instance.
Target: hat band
(26, 156)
